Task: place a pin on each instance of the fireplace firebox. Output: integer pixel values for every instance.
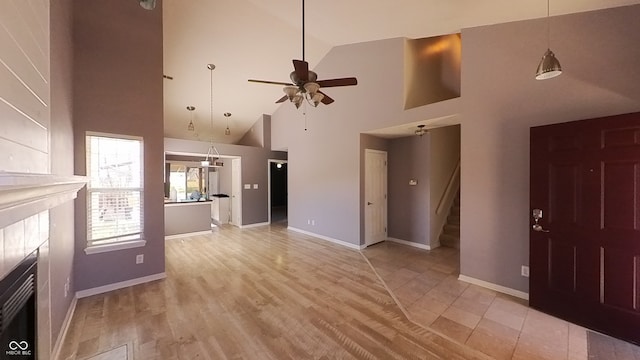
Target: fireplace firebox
(18, 324)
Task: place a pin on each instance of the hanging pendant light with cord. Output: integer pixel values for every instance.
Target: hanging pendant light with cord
(227, 131)
(549, 66)
(210, 160)
(191, 127)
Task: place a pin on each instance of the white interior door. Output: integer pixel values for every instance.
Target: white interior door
(236, 192)
(375, 190)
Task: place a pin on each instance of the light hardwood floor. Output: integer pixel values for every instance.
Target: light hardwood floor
(263, 293)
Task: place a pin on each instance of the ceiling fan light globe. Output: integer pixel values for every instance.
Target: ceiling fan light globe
(311, 88)
(297, 100)
(317, 98)
(290, 91)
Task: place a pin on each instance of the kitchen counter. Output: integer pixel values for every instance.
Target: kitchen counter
(185, 217)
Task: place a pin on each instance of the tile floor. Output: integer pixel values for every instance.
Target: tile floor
(426, 285)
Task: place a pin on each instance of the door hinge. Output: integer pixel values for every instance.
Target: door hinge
(385, 229)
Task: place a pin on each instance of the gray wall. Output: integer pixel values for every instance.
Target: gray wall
(118, 90)
(500, 101)
(409, 204)
(599, 53)
(255, 208)
(324, 161)
(61, 238)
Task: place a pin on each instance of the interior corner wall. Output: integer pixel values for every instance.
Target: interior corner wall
(444, 154)
(324, 160)
(502, 100)
(373, 143)
(255, 136)
(408, 205)
(118, 89)
(61, 239)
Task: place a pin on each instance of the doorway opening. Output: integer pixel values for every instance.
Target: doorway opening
(278, 199)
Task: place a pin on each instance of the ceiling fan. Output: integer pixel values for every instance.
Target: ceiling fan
(304, 83)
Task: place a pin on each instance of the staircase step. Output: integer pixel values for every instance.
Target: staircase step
(450, 241)
(452, 229)
(455, 210)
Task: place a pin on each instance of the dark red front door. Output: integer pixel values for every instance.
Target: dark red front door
(585, 255)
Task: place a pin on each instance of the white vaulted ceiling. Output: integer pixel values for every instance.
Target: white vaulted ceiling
(258, 39)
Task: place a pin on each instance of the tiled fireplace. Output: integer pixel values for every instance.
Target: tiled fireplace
(18, 325)
(25, 318)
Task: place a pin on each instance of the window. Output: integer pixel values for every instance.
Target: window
(114, 193)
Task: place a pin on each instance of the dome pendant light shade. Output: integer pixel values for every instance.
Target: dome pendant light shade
(148, 4)
(549, 66)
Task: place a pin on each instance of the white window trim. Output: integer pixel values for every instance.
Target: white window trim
(97, 249)
(122, 245)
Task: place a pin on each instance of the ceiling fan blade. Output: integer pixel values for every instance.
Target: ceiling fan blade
(338, 82)
(270, 82)
(301, 69)
(282, 99)
(326, 99)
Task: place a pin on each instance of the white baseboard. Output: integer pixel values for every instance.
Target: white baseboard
(496, 287)
(249, 226)
(326, 238)
(178, 236)
(409, 243)
(63, 331)
(123, 284)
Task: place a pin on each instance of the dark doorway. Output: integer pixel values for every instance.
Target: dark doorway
(585, 246)
(278, 194)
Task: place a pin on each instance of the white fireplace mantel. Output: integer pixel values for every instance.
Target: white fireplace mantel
(23, 195)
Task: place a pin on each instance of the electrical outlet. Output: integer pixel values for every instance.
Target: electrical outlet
(139, 258)
(524, 271)
(313, 223)
(308, 221)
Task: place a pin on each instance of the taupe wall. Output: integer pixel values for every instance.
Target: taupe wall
(254, 171)
(118, 90)
(409, 204)
(599, 53)
(61, 237)
(324, 161)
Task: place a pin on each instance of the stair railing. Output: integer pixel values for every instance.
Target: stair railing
(449, 188)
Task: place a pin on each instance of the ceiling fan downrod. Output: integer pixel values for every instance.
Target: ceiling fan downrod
(303, 30)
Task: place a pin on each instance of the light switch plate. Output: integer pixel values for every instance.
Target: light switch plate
(247, 186)
(255, 186)
(413, 182)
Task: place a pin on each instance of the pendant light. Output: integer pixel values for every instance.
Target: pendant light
(148, 4)
(227, 131)
(210, 160)
(549, 66)
(191, 127)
